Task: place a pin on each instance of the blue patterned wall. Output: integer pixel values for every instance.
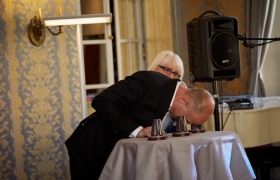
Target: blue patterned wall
(39, 93)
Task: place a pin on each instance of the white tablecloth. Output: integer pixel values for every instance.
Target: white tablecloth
(214, 155)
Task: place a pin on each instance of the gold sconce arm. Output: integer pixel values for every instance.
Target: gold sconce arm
(53, 33)
(37, 32)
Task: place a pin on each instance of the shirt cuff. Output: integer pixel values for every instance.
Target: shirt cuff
(135, 132)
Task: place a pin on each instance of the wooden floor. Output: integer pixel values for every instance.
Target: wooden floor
(275, 173)
(265, 161)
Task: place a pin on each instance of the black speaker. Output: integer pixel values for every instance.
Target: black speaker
(213, 47)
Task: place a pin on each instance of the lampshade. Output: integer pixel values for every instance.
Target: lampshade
(80, 19)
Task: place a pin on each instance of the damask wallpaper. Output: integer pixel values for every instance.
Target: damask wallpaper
(39, 93)
(40, 96)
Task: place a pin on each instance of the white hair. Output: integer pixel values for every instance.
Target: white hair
(166, 57)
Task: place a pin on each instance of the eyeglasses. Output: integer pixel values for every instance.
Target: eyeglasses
(169, 71)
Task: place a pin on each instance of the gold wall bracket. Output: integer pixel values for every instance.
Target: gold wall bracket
(36, 32)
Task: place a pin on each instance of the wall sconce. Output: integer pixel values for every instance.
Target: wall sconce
(36, 28)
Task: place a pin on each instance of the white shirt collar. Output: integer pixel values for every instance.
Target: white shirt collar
(177, 86)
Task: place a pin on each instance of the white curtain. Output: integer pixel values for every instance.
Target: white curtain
(260, 18)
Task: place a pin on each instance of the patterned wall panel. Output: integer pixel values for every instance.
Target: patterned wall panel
(39, 93)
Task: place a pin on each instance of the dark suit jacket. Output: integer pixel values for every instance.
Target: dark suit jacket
(120, 109)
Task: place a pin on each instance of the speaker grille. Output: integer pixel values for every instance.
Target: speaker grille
(224, 50)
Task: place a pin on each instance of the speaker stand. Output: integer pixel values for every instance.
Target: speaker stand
(216, 110)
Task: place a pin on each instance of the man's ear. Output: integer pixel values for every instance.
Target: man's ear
(184, 100)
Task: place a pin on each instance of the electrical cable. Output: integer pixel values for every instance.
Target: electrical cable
(226, 120)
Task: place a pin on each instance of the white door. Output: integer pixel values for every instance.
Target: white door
(99, 48)
(129, 43)
(95, 53)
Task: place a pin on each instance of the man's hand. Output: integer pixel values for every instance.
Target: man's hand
(145, 132)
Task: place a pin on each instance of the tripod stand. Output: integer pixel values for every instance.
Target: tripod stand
(216, 110)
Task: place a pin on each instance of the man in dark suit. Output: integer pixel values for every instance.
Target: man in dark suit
(126, 109)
